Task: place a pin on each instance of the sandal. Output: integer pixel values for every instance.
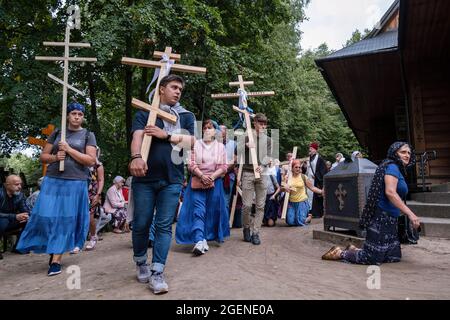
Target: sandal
(333, 254)
(351, 247)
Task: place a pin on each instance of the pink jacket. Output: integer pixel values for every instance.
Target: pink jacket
(208, 158)
(114, 200)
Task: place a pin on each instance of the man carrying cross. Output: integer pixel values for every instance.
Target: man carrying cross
(253, 188)
(157, 183)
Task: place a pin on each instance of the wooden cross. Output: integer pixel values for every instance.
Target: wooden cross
(241, 84)
(286, 196)
(238, 190)
(340, 194)
(41, 142)
(75, 15)
(168, 58)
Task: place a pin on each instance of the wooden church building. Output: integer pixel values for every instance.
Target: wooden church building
(395, 84)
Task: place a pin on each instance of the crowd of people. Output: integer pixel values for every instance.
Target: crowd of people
(69, 209)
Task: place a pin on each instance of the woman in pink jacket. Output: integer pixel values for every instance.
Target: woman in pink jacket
(116, 204)
(203, 216)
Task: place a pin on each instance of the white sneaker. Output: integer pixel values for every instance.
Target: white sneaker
(75, 250)
(91, 244)
(205, 245)
(199, 248)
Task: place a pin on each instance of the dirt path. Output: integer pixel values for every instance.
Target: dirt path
(286, 265)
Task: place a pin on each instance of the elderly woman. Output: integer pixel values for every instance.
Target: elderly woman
(298, 207)
(203, 215)
(59, 221)
(116, 204)
(384, 206)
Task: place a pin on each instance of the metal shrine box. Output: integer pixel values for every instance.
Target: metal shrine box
(346, 189)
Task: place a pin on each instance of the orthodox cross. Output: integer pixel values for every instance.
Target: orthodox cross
(41, 142)
(340, 194)
(289, 181)
(72, 23)
(165, 65)
(246, 112)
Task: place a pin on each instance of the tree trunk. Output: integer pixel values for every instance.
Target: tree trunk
(128, 85)
(94, 117)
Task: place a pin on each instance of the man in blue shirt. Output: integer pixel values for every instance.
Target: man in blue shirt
(157, 183)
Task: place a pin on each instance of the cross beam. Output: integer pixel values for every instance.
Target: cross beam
(286, 196)
(164, 70)
(75, 15)
(238, 190)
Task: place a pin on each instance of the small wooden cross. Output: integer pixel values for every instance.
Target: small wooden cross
(286, 196)
(241, 84)
(75, 15)
(168, 58)
(41, 142)
(340, 194)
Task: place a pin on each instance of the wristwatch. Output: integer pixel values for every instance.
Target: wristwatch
(168, 137)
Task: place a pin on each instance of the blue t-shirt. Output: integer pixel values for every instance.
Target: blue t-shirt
(402, 189)
(160, 165)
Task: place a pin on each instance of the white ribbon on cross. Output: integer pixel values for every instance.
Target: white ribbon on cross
(165, 58)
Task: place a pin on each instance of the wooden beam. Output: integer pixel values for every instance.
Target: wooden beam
(72, 44)
(237, 83)
(79, 59)
(146, 107)
(173, 56)
(62, 82)
(157, 64)
(238, 190)
(286, 196)
(236, 95)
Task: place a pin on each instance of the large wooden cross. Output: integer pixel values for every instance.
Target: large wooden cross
(167, 58)
(75, 16)
(289, 181)
(41, 142)
(241, 84)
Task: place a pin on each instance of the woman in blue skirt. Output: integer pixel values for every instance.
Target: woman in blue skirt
(384, 206)
(203, 216)
(298, 207)
(59, 221)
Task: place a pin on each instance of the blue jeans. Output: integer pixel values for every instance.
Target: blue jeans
(146, 196)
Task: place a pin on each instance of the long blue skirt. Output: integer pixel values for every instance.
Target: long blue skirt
(381, 244)
(59, 221)
(297, 212)
(203, 215)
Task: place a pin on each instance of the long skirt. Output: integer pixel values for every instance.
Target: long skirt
(203, 215)
(271, 209)
(297, 212)
(59, 221)
(381, 245)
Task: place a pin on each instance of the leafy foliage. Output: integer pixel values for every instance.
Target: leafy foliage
(259, 39)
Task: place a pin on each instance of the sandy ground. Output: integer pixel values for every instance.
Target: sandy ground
(286, 265)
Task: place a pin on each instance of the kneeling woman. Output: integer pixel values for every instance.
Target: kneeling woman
(203, 216)
(384, 206)
(59, 221)
(298, 207)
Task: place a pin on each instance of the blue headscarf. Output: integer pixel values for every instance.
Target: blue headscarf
(376, 188)
(75, 106)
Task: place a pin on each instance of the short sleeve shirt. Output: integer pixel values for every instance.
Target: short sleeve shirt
(73, 170)
(402, 190)
(160, 164)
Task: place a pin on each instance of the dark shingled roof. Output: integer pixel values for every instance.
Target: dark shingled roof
(387, 41)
